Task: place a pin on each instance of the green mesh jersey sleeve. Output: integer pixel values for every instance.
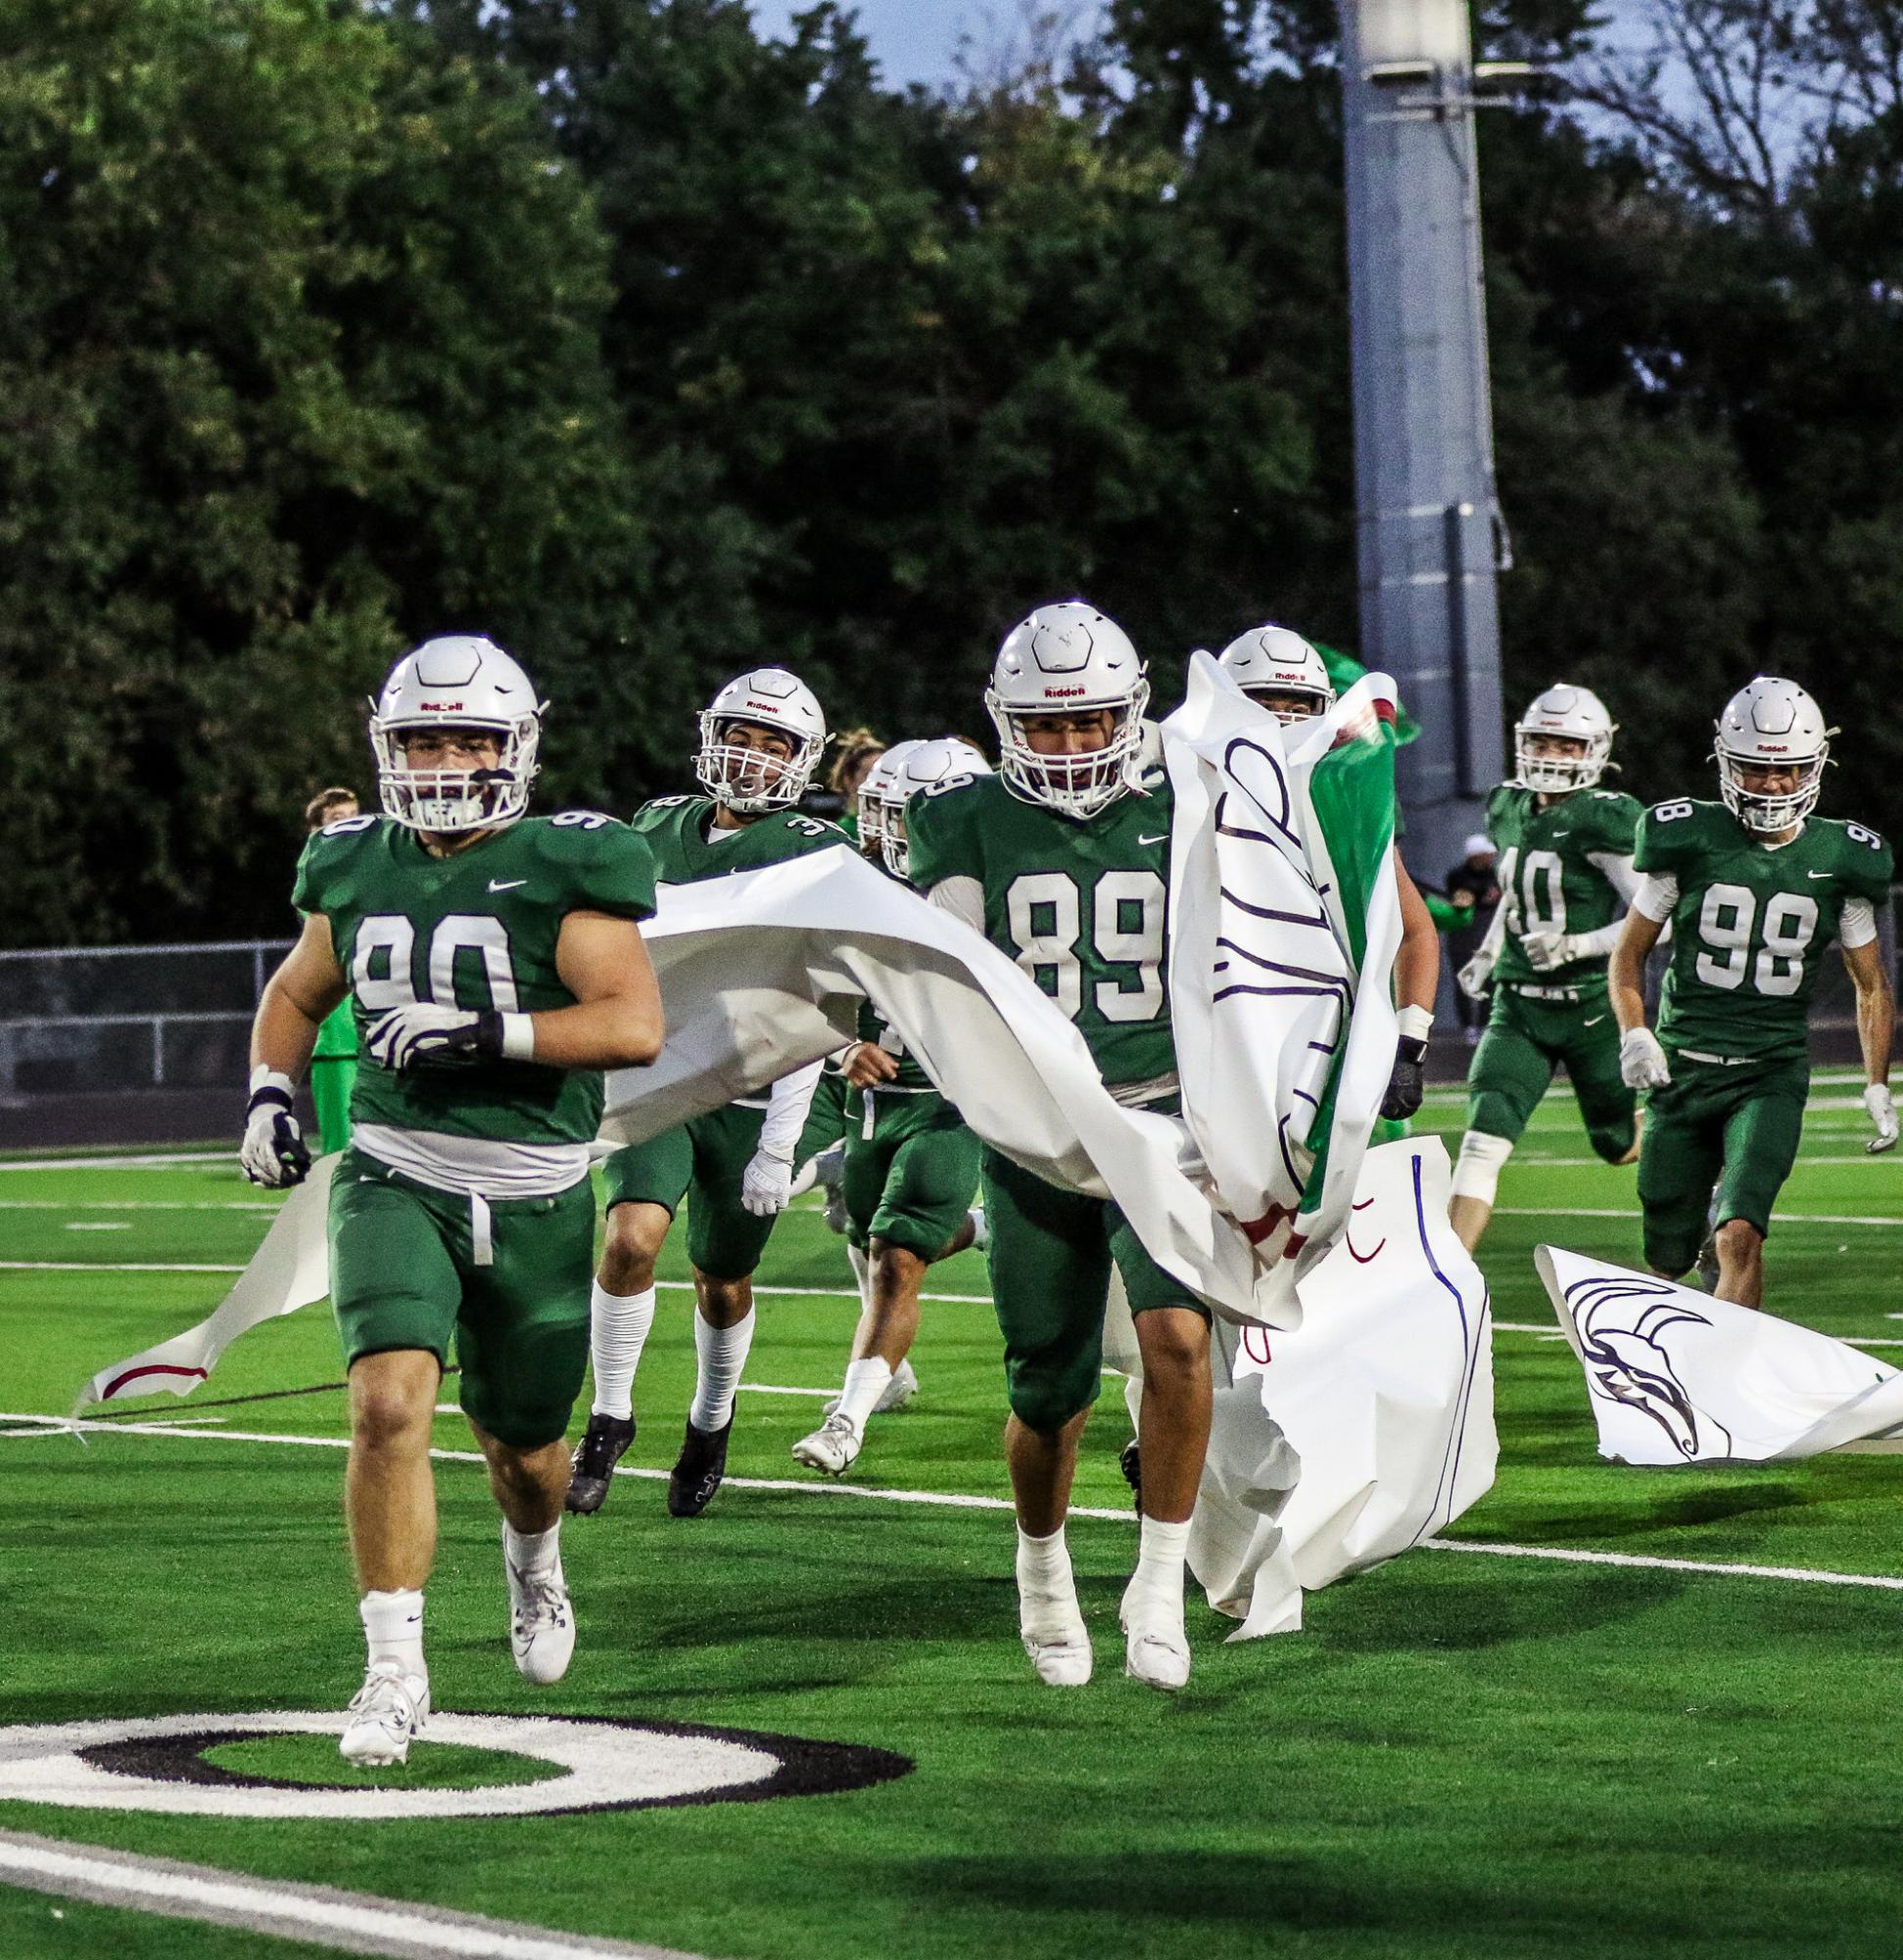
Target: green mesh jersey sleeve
(943, 836)
(1672, 835)
(597, 864)
(1609, 821)
(1866, 865)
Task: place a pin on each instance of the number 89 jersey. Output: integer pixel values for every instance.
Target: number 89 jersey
(475, 929)
(1750, 923)
(1079, 906)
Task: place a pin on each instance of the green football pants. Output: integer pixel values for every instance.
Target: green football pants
(1738, 1127)
(404, 1274)
(911, 1180)
(1050, 1257)
(332, 1079)
(1524, 1043)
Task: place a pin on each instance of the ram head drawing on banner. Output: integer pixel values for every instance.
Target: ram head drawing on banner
(1619, 1323)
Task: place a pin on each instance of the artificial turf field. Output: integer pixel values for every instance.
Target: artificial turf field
(1463, 1754)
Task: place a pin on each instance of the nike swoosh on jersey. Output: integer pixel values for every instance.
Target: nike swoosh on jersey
(1817, 873)
(505, 883)
(1156, 840)
(1594, 1021)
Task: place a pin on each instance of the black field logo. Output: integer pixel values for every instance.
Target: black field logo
(569, 1763)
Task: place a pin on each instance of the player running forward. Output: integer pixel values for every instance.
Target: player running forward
(1566, 877)
(760, 741)
(911, 1169)
(1755, 888)
(497, 968)
(1280, 671)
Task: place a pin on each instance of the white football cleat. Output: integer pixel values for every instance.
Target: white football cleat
(541, 1623)
(386, 1714)
(1059, 1651)
(834, 1447)
(1156, 1649)
(896, 1393)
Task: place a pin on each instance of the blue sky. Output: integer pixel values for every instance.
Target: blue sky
(914, 40)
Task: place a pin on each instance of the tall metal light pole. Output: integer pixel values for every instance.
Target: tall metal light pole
(1429, 530)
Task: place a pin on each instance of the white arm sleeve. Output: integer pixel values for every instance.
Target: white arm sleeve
(791, 1098)
(1656, 897)
(1858, 926)
(1619, 872)
(963, 899)
(1496, 935)
(1593, 945)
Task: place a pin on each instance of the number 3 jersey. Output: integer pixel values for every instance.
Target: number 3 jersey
(1751, 923)
(679, 831)
(1079, 906)
(1551, 875)
(476, 930)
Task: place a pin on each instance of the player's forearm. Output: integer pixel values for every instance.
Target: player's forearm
(1417, 965)
(1875, 1026)
(1624, 984)
(614, 1031)
(284, 1031)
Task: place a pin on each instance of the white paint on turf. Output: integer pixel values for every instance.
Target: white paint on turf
(316, 1915)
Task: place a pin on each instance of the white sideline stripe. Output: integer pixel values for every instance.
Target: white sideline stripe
(965, 1501)
(767, 1388)
(158, 1161)
(321, 1916)
(1554, 1334)
(135, 1205)
(1629, 1212)
(1529, 1160)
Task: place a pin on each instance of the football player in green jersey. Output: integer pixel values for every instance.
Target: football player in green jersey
(1280, 671)
(911, 1169)
(1755, 888)
(760, 742)
(1566, 878)
(497, 968)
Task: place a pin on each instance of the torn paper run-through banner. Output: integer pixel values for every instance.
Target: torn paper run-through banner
(1676, 1376)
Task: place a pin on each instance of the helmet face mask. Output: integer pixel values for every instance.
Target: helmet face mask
(922, 768)
(1066, 661)
(1281, 672)
(747, 776)
(1574, 717)
(1772, 724)
(456, 683)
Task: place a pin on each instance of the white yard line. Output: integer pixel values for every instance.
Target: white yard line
(964, 1501)
(136, 1205)
(317, 1915)
(158, 1160)
(1554, 1334)
(1629, 1212)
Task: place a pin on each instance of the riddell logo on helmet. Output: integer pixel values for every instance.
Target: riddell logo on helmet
(441, 707)
(1062, 694)
(767, 708)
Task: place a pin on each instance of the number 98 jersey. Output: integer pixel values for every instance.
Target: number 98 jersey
(1750, 923)
(475, 929)
(1079, 906)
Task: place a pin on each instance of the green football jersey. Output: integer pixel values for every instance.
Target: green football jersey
(1548, 879)
(874, 1027)
(1079, 906)
(1752, 924)
(477, 929)
(678, 829)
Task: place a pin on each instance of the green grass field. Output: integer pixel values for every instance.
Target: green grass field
(1462, 1754)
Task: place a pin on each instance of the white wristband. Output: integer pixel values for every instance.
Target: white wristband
(1416, 1022)
(518, 1036)
(265, 1076)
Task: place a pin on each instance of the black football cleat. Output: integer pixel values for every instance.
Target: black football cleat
(698, 1474)
(603, 1446)
(1130, 1463)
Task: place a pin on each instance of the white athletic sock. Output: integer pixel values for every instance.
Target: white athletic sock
(980, 1231)
(1162, 1549)
(866, 1382)
(722, 1355)
(532, 1553)
(392, 1628)
(1047, 1593)
(617, 1331)
(862, 1272)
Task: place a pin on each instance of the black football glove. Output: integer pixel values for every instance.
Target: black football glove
(1408, 1083)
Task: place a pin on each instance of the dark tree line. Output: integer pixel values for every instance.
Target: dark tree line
(660, 351)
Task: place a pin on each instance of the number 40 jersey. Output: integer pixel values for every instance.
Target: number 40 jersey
(1751, 923)
(1078, 905)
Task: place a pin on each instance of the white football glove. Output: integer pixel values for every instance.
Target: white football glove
(1544, 949)
(1883, 1112)
(402, 1036)
(767, 1184)
(273, 1152)
(1641, 1061)
(1473, 977)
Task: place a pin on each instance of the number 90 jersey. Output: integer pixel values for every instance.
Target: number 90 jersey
(1548, 879)
(475, 929)
(1079, 906)
(1751, 924)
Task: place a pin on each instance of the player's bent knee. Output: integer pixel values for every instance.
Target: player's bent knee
(1476, 1173)
(389, 1404)
(1739, 1239)
(1046, 1398)
(1173, 1342)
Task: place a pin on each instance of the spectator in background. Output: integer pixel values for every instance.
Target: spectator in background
(333, 1061)
(1474, 890)
(858, 750)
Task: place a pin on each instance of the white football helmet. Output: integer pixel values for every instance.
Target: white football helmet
(1272, 660)
(1066, 659)
(747, 781)
(1575, 714)
(925, 765)
(460, 680)
(872, 793)
(1772, 724)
